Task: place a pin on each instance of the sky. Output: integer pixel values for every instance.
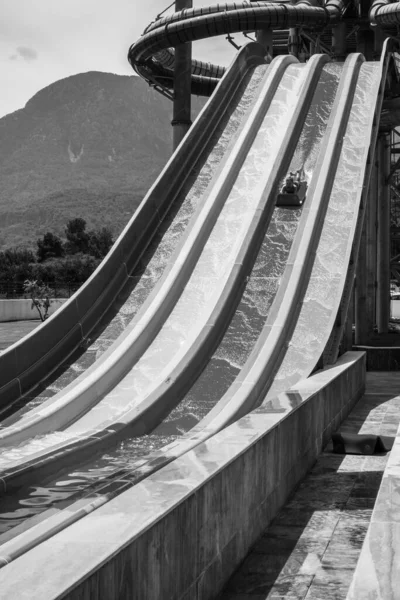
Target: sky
(42, 41)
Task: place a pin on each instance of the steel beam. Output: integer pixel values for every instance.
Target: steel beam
(361, 322)
(339, 41)
(371, 230)
(264, 37)
(383, 236)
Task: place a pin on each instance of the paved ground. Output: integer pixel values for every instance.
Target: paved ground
(311, 549)
(13, 331)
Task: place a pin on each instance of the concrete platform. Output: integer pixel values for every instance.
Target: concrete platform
(181, 532)
(311, 549)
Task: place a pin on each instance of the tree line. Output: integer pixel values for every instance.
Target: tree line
(63, 262)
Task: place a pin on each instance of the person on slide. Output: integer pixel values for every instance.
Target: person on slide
(292, 183)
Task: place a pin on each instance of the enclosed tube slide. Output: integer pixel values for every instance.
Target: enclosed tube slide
(25, 364)
(155, 66)
(384, 13)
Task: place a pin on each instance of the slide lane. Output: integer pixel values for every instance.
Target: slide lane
(260, 371)
(155, 383)
(327, 280)
(93, 318)
(306, 152)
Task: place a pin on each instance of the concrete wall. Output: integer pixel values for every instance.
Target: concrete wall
(180, 533)
(381, 359)
(395, 309)
(21, 310)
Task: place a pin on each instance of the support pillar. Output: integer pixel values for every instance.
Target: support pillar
(379, 38)
(365, 35)
(366, 43)
(347, 342)
(339, 41)
(371, 217)
(264, 37)
(362, 333)
(181, 120)
(383, 237)
(293, 41)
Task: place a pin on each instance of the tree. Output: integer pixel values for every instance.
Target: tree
(17, 256)
(50, 246)
(16, 265)
(40, 296)
(77, 237)
(100, 242)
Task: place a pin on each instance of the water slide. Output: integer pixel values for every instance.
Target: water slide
(158, 371)
(272, 363)
(164, 212)
(334, 122)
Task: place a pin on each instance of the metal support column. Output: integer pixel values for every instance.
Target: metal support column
(365, 35)
(366, 43)
(264, 37)
(379, 38)
(181, 120)
(383, 237)
(347, 341)
(362, 333)
(294, 41)
(371, 245)
(339, 41)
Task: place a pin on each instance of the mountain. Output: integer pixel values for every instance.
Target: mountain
(86, 146)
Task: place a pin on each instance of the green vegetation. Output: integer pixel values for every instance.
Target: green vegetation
(40, 296)
(62, 265)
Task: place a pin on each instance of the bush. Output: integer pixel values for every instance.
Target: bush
(49, 246)
(66, 264)
(40, 296)
(77, 237)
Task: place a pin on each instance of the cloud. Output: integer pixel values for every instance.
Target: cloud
(28, 54)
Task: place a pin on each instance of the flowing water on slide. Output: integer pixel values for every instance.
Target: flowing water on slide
(230, 356)
(156, 257)
(139, 286)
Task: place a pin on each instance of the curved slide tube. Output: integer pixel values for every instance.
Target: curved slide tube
(384, 12)
(195, 24)
(146, 415)
(25, 364)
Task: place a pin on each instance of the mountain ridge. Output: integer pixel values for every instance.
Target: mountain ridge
(79, 146)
